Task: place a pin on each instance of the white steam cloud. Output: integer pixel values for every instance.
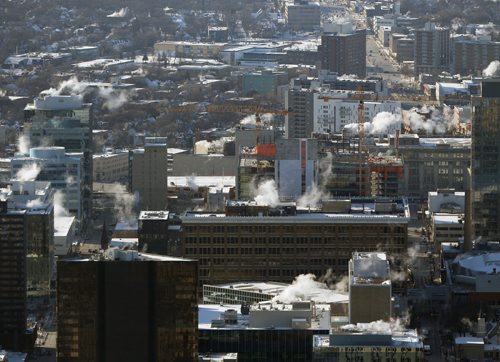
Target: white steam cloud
(396, 325)
(265, 118)
(71, 86)
(59, 207)
(206, 147)
(435, 121)
(123, 12)
(267, 194)
(124, 204)
(23, 144)
(305, 288)
(383, 123)
(191, 182)
(316, 193)
(492, 70)
(112, 98)
(34, 204)
(28, 172)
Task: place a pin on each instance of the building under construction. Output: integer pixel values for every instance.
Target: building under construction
(364, 175)
(256, 164)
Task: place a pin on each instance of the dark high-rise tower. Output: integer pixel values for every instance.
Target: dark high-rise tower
(127, 307)
(486, 160)
(12, 278)
(26, 251)
(344, 52)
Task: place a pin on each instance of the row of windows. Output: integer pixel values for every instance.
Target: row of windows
(295, 229)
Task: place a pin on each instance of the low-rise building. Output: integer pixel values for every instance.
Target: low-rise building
(183, 49)
(303, 16)
(110, 167)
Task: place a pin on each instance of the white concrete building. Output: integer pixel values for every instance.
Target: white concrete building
(332, 115)
(64, 234)
(296, 167)
(63, 171)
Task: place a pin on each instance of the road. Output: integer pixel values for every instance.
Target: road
(378, 57)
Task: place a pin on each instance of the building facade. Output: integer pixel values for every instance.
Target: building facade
(303, 16)
(344, 53)
(369, 279)
(64, 121)
(261, 248)
(471, 56)
(433, 163)
(331, 114)
(485, 167)
(149, 172)
(296, 167)
(64, 171)
(298, 123)
(110, 167)
(432, 50)
(127, 307)
(22, 231)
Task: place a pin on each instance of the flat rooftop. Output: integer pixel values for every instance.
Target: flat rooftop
(201, 181)
(271, 288)
(153, 215)
(62, 225)
(370, 268)
(306, 218)
(209, 312)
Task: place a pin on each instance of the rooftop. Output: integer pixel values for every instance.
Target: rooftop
(370, 268)
(62, 225)
(153, 215)
(271, 288)
(201, 181)
(266, 315)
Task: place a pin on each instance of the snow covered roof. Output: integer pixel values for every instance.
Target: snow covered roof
(480, 264)
(469, 340)
(442, 219)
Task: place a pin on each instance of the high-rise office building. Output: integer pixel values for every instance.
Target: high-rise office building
(148, 168)
(432, 49)
(299, 123)
(470, 56)
(485, 160)
(64, 121)
(344, 51)
(125, 306)
(26, 243)
(12, 278)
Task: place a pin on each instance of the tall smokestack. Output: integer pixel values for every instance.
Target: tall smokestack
(468, 213)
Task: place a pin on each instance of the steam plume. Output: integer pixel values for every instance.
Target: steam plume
(492, 70)
(23, 144)
(316, 193)
(267, 194)
(305, 288)
(124, 204)
(28, 172)
(113, 99)
(59, 201)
